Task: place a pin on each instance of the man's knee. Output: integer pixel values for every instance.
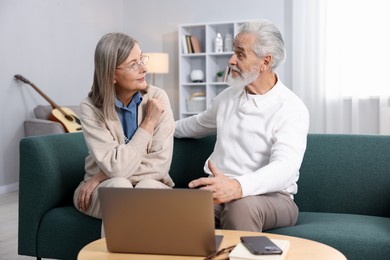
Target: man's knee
(244, 206)
(258, 213)
(241, 215)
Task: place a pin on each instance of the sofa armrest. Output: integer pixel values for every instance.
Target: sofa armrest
(51, 167)
(36, 126)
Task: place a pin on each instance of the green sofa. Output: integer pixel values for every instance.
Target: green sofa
(343, 195)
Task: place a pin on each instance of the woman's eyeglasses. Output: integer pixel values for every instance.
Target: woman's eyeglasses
(136, 65)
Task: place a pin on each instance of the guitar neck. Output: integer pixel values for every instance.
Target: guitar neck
(51, 102)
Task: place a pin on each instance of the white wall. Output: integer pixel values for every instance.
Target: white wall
(51, 43)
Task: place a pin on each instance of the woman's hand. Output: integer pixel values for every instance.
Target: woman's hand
(154, 110)
(85, 193)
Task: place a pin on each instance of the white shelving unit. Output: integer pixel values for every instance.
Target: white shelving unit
(208, 61)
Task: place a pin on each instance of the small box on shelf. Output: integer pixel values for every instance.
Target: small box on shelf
(196, 102)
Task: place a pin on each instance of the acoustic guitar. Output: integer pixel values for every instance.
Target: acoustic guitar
(63, 115)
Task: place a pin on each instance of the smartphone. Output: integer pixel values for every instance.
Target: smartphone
(260, 245)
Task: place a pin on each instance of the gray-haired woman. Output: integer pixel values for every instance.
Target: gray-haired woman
(127, 124)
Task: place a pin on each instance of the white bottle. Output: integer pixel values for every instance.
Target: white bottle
(218, 43)
(228, 42)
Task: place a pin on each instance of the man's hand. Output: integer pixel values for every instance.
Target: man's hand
(224, 189)
(85, 193)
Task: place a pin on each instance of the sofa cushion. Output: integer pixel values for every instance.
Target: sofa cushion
(188, 159)
(345, 174)
(353, 235)
(62, 229)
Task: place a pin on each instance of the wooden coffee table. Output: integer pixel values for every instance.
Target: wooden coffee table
(299, 248)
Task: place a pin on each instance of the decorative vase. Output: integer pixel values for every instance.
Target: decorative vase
(228, 43)
(197, 76)
(218, 43)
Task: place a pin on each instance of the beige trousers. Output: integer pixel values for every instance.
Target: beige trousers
(94, 208)
(257, 213)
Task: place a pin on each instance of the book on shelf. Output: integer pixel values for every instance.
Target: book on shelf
(195, 44)
(184, 44)
(189, 45)
(240, 252)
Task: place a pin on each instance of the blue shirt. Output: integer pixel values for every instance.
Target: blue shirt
(128, 115)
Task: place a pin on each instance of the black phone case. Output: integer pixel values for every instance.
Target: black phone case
(261, 245)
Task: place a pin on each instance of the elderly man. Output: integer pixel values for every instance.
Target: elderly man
(261, 129)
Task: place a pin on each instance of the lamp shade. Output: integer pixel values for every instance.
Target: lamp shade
(158, 62)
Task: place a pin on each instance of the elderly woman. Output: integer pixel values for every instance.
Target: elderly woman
(127, 124)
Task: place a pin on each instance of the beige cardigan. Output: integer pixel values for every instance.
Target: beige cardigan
(146, 156)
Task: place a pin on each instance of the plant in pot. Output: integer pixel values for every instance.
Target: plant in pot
(220, 76)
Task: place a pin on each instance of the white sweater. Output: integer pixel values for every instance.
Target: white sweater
(261, 139)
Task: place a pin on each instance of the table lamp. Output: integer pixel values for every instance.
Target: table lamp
(158, 63)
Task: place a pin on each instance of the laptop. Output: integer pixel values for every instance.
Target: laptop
(159, 221)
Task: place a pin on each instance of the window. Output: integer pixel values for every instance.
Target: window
(357, 53)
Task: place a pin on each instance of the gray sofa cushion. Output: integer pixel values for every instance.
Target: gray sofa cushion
(42, 125)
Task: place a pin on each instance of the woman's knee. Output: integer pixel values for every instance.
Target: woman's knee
(94, 208)
(118, 182)
(151, 184)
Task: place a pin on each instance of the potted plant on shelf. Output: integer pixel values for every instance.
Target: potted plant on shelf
(220, 76)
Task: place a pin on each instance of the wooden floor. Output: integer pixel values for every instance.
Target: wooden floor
(9, 227)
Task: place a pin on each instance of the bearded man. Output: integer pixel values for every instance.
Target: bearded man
(261, 129)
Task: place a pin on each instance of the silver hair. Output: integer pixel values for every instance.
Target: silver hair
(269, 40)
(111, 51)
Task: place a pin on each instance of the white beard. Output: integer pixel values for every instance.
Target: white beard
(243, 79)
